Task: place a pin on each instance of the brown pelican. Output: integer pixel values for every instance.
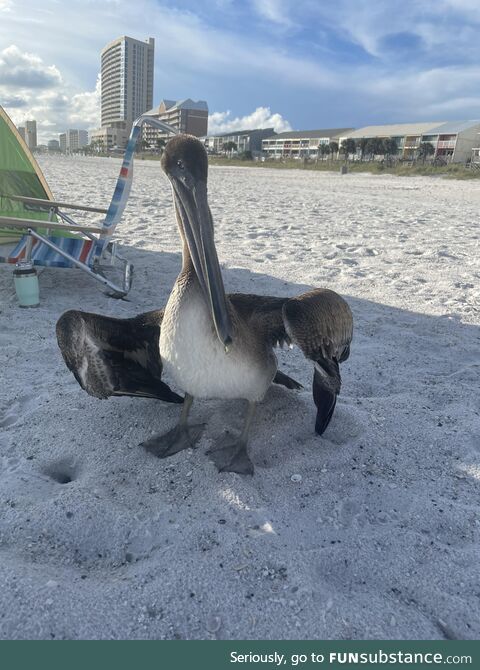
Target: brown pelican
(212, 345)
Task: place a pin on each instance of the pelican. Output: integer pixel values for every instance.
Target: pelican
(210, 344)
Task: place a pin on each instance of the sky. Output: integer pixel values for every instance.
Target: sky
(287, 64)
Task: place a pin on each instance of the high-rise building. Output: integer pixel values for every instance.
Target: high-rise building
(21, 132)
(31, 134)
(186, 116)
(126, 81)
(76, 139)
(73, 139)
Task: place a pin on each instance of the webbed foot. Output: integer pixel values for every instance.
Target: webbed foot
(179, 438)
(230, 455)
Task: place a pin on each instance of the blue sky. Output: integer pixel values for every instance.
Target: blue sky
(287, 63)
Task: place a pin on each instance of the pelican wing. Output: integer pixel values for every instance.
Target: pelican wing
(320, 322)
(113, 357)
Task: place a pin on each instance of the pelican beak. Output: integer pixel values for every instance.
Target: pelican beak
(192, 206)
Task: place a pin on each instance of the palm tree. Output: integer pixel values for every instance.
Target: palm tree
(363, 143)
(333, 148)
(229, 147)
(390, 147)
(324, 150)
(348, 147)
(374, 147)
(425, 150)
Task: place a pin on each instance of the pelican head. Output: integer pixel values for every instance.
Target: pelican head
(185, 163)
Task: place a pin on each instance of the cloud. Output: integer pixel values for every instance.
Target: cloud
(85, 108)
(25, 70)
(31, 89)
(262, 117)
(275, 11)
(318, 63)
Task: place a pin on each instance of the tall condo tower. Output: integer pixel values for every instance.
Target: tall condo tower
(31, 134)
(126, 81)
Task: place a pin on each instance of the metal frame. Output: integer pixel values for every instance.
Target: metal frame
(109, 247)
(30, 226)
(127, 270)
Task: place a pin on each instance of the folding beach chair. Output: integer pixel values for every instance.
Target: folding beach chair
(35, 228)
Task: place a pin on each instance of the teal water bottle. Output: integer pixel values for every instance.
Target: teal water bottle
(25, 279)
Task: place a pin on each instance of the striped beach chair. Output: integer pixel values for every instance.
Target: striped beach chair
(35, 228)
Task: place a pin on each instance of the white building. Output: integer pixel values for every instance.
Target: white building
(452, 141)
(245, 140)
(31, 134)
(72, 140)
(300, 143)
(109, 137)
(126, 84)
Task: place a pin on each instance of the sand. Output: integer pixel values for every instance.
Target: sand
(371, 531)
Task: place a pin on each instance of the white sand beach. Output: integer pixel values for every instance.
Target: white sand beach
(376, 535)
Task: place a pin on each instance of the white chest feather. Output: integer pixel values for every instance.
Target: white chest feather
(195, 358)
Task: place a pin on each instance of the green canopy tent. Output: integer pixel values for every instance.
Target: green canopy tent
(20, 175)
(35, 228)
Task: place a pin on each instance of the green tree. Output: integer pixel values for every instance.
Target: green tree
(348, 147)
(374, 147)
(160, 144)
(323, 150)
(390, 147)
(425, 150)
(363, 143)
(333, 148)
(229, 147)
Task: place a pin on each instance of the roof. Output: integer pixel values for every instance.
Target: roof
(231, 133)
(167, 103)
(312, 134)
(120, 39)
(188, 103)
(423, 128)
(170, 105)
(452, 127)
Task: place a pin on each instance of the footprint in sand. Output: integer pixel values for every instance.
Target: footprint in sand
(19, 408)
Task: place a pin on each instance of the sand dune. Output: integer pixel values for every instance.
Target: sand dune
(377, 535)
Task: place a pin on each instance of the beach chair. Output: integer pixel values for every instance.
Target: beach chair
(35, 228)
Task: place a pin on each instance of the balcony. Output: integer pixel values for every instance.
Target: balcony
(446, 144)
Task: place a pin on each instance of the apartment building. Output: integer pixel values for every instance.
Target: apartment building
(245, 140)
(452, 141)
(186, 116)
(72, 140)
(109, 137)
(127, 67)
(300, 143)
(31, 134)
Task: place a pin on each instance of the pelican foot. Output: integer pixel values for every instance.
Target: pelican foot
(230, 455)
(179, 438)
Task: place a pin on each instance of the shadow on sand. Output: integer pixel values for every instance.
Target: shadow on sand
(376, 538)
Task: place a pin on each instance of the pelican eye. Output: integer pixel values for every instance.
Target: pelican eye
(180, 165)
